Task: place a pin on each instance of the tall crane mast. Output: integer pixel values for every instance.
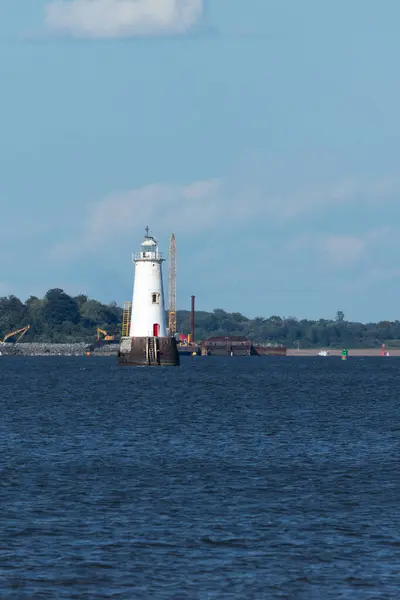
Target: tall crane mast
(172, 286)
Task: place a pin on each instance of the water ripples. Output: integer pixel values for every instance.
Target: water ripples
(244, 478)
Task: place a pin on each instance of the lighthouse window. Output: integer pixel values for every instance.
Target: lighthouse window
(155, 298)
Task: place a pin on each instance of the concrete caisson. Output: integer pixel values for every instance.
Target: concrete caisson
(149, 351)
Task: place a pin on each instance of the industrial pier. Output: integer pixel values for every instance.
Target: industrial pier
(238, 346)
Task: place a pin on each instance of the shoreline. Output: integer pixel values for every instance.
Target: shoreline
(80, 349)
(361, 352)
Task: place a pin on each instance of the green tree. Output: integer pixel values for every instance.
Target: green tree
(339, 316)
(59, 307)
(12, 314)
(93, 312)
(35, 317)
(80, 299)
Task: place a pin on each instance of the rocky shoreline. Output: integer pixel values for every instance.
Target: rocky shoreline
(43, 349)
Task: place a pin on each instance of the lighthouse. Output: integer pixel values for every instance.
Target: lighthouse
(148, 312)
(147, 342)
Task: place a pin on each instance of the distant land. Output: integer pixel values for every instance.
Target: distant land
(60, 318)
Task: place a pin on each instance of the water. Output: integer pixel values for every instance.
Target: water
(226, 478)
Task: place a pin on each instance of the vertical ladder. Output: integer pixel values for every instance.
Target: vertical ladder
(152, 351)
(126, 319)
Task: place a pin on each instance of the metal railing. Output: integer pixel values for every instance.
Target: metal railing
(150, 256)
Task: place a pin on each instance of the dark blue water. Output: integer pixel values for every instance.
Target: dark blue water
(226, 478)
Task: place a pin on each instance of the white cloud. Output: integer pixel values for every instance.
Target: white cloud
(342, 250)
(204, 206)
(122, 18)
(366, 193)
(197, 204)
(164, 207)
(346, 249)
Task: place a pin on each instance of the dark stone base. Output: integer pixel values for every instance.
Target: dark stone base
(148, 351)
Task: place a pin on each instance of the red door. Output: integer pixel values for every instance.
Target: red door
(156, 329)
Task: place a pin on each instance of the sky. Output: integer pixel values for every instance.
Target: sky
(264, 134)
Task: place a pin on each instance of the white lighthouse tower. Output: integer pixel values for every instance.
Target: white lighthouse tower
(148, 312)
(147, 342)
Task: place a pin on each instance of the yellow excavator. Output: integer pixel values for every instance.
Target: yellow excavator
(107, 336)
(21, 333)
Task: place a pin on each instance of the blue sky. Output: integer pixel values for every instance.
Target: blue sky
(264, 133)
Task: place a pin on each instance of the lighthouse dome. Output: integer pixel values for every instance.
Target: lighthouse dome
(149, 242)
(149, 248)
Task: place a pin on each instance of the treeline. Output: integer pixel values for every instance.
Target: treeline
(294, 333)
(59, 317)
